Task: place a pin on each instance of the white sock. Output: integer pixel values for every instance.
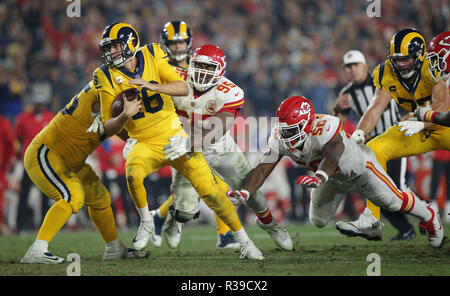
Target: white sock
(158, 213)
(241, 236)
(112, 244)
(41, 245)
(144, 213)
(418, 208)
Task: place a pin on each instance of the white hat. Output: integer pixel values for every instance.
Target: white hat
(354, 56)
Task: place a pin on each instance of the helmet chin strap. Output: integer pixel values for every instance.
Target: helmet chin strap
(408, 75)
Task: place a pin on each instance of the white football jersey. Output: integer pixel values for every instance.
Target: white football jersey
(352, 162)
(196, 110)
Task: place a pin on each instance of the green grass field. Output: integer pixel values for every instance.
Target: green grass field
(318, 252)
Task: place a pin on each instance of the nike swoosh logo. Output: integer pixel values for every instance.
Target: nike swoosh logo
(51, 258)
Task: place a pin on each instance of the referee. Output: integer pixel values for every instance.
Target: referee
(356, 96)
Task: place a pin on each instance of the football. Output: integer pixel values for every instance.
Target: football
(129, 94)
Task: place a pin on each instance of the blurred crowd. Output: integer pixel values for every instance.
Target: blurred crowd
(274, 49)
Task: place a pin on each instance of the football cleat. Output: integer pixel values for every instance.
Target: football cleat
(407, 235)
(119, 251)
(143, 234)
(367, 226)
(35, 255)
(250, 251)
(171, 232)
(227, 242)
(279, 235)
(434, 227)
(156, 238)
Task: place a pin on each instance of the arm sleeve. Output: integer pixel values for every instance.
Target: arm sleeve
(106, 93)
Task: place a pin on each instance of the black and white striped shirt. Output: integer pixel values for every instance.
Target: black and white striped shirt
(362, 94)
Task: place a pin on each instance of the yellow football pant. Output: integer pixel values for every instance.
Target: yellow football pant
(393, 144)
(146, 158)
(70, 188)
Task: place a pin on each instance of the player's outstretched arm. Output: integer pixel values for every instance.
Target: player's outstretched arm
(374, 111)
(174, 88)
(255, 178)
(442, 118)
(332, 152)
(427, 114)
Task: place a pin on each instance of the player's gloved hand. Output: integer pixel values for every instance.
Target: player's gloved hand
(177, 147)
(237, 197)
(97, 125)
(424, 113)
(309, 181)
(126, 150)
(359, 136)
(411, 127)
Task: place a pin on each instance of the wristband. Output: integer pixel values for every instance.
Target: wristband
(323, 174)
(429, 115)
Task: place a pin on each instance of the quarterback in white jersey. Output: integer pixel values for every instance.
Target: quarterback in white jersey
(318, 143)
(214, 100)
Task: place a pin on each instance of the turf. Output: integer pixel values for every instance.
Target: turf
(318, 252)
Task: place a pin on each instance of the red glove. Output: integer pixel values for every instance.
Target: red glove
(309, 181)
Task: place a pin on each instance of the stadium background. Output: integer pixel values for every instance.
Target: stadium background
(274, 49)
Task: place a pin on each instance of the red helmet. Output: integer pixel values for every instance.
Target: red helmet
(295, 120)
(439, 54)
(206, 67)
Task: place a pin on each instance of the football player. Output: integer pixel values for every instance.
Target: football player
(55, 162)
(339, 164)
(214, 100)
(176, 39)
(406, 78)
(159, 137)
(439, 56)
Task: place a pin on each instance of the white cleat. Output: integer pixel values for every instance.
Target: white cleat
(36, 255)
(278, 233)
(117, 250)
(143, 234)
(367, 226)
(434, 227)
(250, 251)
(171, 232)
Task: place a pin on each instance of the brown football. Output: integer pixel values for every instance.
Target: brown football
(117, 105)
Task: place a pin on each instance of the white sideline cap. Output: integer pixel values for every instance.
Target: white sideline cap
(354, 56)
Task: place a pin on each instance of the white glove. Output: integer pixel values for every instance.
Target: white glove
(237, 197)
(96, 126)
(359, 135)
(177, 147)
(411, 127)
(126, 150)
(421, 113)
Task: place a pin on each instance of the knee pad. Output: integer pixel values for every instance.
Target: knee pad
(181, 216)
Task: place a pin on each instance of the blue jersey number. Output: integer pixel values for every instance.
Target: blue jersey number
(148, 100)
